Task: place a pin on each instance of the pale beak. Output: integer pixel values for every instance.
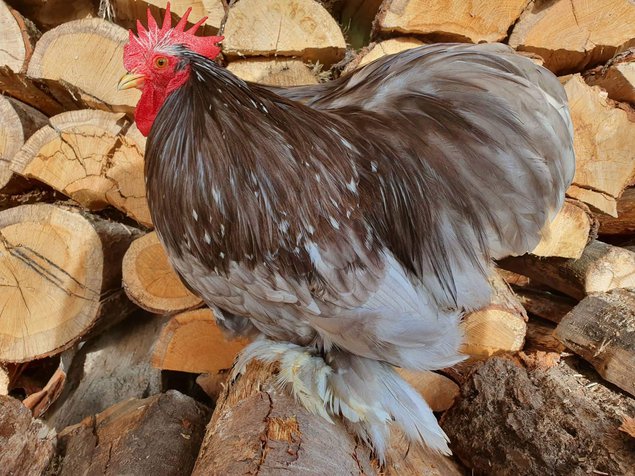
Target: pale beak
(130, 80)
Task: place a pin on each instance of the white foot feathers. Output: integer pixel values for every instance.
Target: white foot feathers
(368, 394)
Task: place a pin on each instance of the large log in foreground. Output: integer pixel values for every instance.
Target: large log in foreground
(549, 419)
(258, 429)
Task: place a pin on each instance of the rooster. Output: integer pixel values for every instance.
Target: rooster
(349, 224)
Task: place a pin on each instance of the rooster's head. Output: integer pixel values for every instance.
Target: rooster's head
(152, 59)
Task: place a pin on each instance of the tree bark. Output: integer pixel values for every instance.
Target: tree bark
(258, 429)
(545, 419)
(155, 436)
(28, 445)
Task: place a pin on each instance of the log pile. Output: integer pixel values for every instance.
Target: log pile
(109, 364)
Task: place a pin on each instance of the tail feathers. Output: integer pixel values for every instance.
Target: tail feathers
(369, 395)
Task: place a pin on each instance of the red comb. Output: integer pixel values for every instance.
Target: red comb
(148, 39)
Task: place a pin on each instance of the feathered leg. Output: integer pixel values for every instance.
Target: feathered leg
(368, 394)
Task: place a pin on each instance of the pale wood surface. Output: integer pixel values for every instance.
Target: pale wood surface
(475, 21)
(273, 71)
(499, 326)
(60, 270)
(15, 39)
(18, 122)
(437, 390)
(87, 54)
(133, 9)
(151, 282)
(571, 35)
(301, 28)
(601, 268)
(386, 47)
(192, 342)
(568, 234)
(604, 141)
(617, 77)
(601, 329)
(93, 157)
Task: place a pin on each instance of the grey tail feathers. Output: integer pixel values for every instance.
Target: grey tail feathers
(368, 394)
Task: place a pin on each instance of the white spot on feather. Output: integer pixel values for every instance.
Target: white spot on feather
(194, 215)
(283, 226)
(208, 239)
(222, 230)
(352, 186)
(373, 166)
(334, 223)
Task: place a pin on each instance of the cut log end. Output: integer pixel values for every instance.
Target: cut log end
(151, 282)
(301, 28)
(75, 258)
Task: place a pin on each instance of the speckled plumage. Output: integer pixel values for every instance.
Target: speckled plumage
(358, 218)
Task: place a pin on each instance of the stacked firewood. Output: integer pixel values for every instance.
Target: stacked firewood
(109, 364)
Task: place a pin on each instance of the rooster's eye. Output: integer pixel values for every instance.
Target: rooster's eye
(161, 62)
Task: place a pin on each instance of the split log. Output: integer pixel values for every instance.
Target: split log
(381, 49)
(500, 326)
(259, 429)
(437, 390)
(157, 435)
(604, 142)
(112, 367)
(273, 72)
(17, 39)
(601, 268)
(192, 342)
(546, 419)
(214, 10)
(93, 157)
(450, 20)
(151, 282)
(624, 224)
(301, 28)
(47, 14)
(569, 232)
(47, 96)
(573, 35)
(87, 54)
(601, 329)
(17, 122)
(617, 77)
(39, 402)
(61, 271)
(28, 445)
